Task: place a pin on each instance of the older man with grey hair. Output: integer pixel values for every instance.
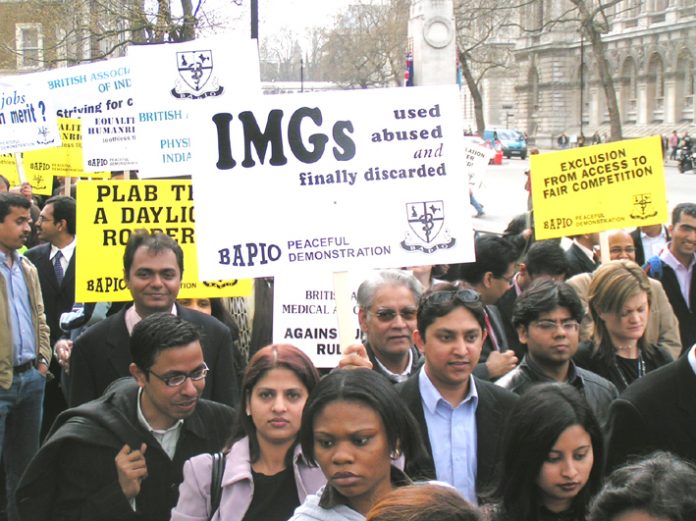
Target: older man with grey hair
(388, 302)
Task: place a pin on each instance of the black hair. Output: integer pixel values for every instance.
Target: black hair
(546, 258)
(284, 356)
(493, 254)
(661, 484)
(5, 181)
(9, 200)
(534, 424)
(64, 208)
(154, 242)
(156, 333)
(543, 296)
(442, 299)
(369, 388)
(681, 209)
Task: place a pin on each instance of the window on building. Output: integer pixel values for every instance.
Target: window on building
(29, 45)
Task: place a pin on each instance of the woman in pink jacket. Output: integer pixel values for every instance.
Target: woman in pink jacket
(266, 476)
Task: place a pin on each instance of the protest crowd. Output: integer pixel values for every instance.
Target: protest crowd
(501, 385)
(529, 382)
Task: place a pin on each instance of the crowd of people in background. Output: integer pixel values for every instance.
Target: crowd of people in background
(534, 384)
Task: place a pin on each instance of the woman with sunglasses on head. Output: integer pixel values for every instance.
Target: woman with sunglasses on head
(266, 475)
(552, 458)
(356, 428)
(619, 300)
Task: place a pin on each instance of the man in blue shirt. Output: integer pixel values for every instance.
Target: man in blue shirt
(461, 416)
(24, 346)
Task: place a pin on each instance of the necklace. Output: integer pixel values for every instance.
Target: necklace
(641, 370)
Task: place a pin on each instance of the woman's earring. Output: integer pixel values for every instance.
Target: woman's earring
(395, 454)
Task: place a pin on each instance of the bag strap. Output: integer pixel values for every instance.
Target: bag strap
(217, 471)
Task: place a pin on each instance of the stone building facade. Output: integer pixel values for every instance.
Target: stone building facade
(651, 48)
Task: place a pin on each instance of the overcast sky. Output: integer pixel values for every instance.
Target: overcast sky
(274, 15)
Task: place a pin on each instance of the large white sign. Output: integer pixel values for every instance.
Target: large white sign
(304, 315)
(330, 181)
(27, 116)
(175, 81)
(101, 95)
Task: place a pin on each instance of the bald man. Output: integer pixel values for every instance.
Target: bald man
(663, 327)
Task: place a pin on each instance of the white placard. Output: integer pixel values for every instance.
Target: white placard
(101, 95)
(175, 81)
(330, 181)
(304, 315)
(27, 116)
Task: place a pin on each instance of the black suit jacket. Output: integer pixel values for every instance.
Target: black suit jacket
(656, 412)
(57, 299)
(102, 354)
(494, 404)
(638, 244)
(578, 261)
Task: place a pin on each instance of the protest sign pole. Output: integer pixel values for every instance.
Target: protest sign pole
(604, 246)
(20, 168)
(344, 309)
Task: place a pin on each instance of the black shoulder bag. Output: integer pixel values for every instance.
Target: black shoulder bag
(217, 471)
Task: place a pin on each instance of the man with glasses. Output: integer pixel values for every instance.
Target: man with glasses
(547, 319)
(491, 276)
(663, 326)
(387, 302)
(55, 262)
(153, 266)
(461, 417)
(121, 457)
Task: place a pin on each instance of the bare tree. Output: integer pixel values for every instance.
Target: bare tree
(367, 46)
(593, 23)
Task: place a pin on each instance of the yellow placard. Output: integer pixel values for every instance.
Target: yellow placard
(65, 160)
(597, 188)
(41, 182)
(8, 168)
(109, 211)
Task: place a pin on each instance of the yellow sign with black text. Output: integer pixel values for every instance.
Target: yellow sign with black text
(598, 188)
(109, 211)
(65, 160)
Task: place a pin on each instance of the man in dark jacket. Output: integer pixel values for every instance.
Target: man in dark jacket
(153, 266)
(121, 457)
(547, 318)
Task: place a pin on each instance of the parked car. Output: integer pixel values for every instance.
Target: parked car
(512, 141)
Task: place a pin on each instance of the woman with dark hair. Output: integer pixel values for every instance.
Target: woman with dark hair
(661, 487)
(552, 457)
(356, 428)
(423, 502)
(264, 459)
(213, 307)
(619, 300)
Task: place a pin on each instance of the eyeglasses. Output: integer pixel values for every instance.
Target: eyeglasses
(549, 326)
(43, 219)
(387, 315)
(506, 279)
(615, 250)
(177, 379)
(466, 296)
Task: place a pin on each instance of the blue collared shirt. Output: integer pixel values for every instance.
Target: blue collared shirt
(19, 310)
(453, 436)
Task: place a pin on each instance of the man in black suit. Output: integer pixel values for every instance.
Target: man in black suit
(121, 457)
(656, 412)
(675, 267)
(581, 256)
(456, 411)
(55, 262)
(153, 264)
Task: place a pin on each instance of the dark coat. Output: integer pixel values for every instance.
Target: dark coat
(578, 261)
(657, 412)
(73, 477)
(494, 404)
(58, 299)
(638, 244)
(685, 314)
(102, 355)
(496, 320)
